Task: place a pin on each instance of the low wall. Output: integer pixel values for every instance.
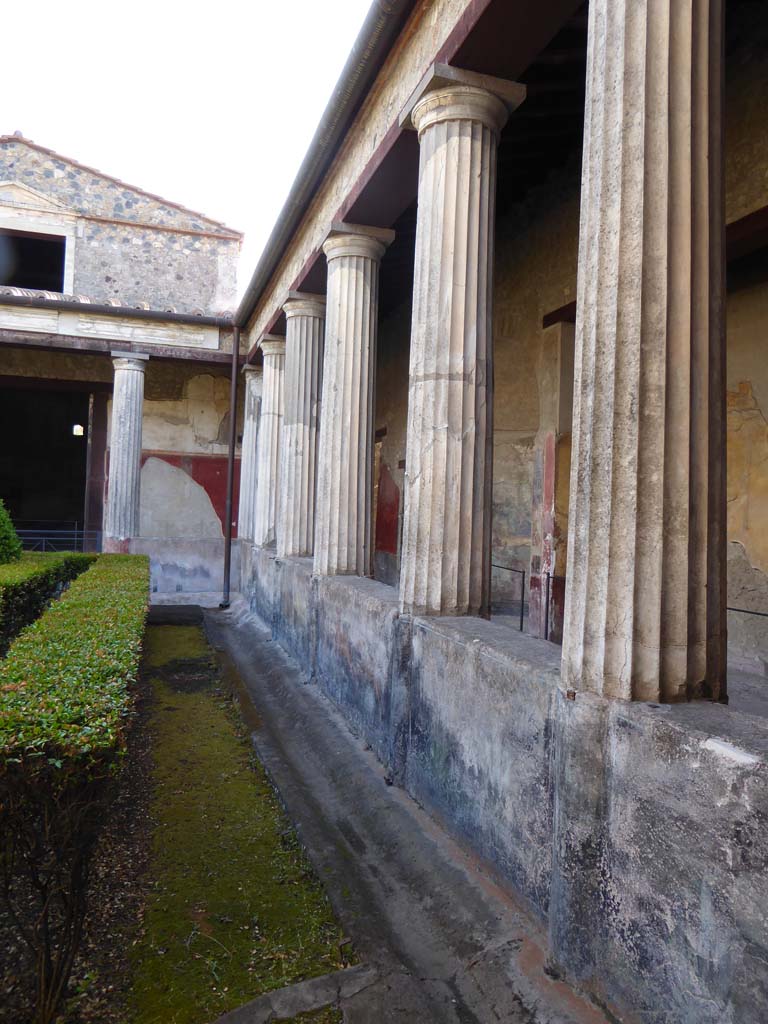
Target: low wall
(294, 608)
(362, 659)
(638, 832)
(660, 890)
(186, 566)
(480, 743)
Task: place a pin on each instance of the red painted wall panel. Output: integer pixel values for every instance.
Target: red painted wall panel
(210, 472)
(387, 512)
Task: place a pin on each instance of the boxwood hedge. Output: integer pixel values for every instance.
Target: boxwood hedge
(10, 545)
(28, 585)
(66, 701)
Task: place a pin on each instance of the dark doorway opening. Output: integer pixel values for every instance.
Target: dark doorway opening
(44, 456)
(32, 261)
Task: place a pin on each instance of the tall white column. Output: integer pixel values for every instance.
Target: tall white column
(248, 452)
(305, 320)
(121, 519)
(268, 447)
(343, 517)
(645, 595)
(445, 563)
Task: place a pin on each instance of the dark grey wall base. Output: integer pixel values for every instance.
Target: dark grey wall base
(179, 566)
(639, 833)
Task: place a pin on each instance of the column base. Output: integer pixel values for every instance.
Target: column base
(113, 546)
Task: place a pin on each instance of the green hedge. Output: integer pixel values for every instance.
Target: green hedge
(66, 702)
(28, 585)
(10, 545)
(65, 682)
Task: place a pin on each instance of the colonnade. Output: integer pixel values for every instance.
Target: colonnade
(645, 596)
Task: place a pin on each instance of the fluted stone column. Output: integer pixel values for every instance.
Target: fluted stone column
(248, 452)
(305, 323)
(121, 520)
(445, 563)
(343, 519)
(268, 447)
(645, 596)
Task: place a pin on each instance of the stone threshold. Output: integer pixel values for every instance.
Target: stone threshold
(303, 997)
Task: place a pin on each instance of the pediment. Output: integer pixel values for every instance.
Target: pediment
(15, 193)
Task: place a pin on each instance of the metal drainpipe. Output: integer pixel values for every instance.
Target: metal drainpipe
(230, 467)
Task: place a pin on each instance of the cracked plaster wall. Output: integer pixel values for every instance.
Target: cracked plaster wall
(185, 426)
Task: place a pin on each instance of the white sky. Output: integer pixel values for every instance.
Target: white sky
(209, 103)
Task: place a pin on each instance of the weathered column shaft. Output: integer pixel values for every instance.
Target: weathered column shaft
(121, 521)
(445, 565)
(305, 316)
(345, 455)
(645, 598)
(248, 451)
(268, 447)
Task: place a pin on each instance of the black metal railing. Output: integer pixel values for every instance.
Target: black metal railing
(748, 611)
(522, 612)
(74, 539)
(547, 580)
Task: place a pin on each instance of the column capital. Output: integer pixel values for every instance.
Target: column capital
(356, 240)
(304, 304)
(129, 360)
(272, 344)
(254, 378)
(446, 93)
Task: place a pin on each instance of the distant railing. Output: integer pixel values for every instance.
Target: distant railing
(748, 611)
(547, 579)
(60, 540)
(522, 574)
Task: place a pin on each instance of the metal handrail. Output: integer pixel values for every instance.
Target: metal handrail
(59, 540)
(508, 568)
(548, 577)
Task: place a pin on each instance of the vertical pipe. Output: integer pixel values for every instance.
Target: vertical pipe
(522, 601)
(546, 609)
(224, 603)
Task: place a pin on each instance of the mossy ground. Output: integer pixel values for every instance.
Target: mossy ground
(234, 909)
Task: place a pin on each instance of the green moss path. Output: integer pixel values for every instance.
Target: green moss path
(234, 909)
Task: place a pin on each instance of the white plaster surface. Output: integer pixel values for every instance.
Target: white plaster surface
(174, 505)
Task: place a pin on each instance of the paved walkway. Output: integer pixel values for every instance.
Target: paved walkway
(438, 940)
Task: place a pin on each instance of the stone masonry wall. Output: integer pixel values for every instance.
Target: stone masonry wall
(191, 267)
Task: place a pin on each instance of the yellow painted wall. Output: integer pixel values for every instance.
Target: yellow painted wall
(748, 422)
